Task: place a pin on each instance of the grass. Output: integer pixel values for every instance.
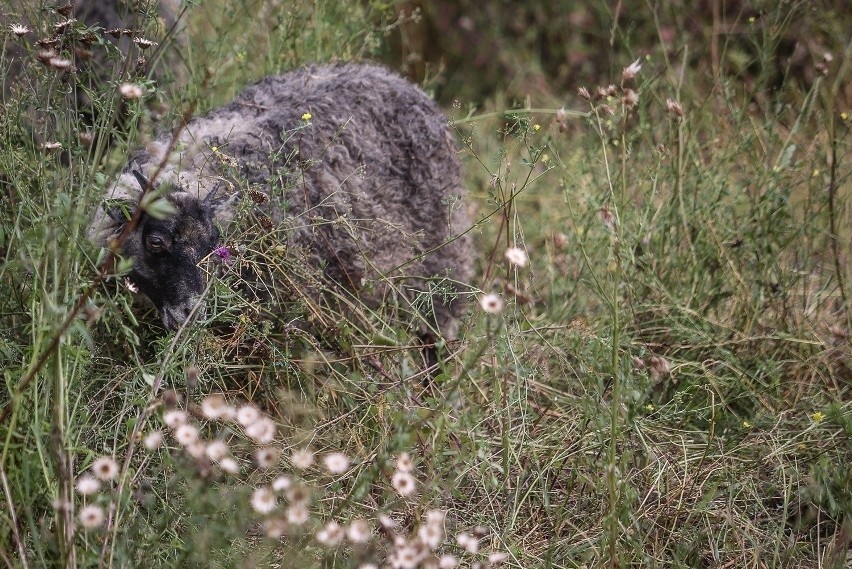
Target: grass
(668, 384)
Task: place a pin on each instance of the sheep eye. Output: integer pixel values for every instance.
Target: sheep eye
(155, 242)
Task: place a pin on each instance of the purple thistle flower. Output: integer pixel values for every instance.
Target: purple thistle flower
(223, 253)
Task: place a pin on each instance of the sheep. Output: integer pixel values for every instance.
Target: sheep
(354, 164)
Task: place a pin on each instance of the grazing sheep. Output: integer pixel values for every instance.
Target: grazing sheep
(356, 167)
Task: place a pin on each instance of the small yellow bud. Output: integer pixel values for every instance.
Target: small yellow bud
(306, 116)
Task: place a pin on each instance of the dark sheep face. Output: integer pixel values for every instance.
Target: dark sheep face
(166, 254)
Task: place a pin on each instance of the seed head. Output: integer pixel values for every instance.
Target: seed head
(247, 414)
(229, 465)
(266, 457)
(631, 70)
(298, 514)
(403, 483)
(331, 535)
(336, 462)
(275, 527)
(497, 558)
(404, 462)
(492, 303)
(282, 483)
(91, 516)
(175, 418)
(630, 99)
(674, 108)
(144, 43)
(468, 542)
(516, 256)
(87, 485)
(217, 450)
(583, 92)
(263, 500)
(105, 468)
(358, 531)
(447, 562)
(608, 218)
(212, 406)
(302, 459)
(185, 435)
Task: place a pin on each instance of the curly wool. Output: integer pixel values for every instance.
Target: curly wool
(360, 168)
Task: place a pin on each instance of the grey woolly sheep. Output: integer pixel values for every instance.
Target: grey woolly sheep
(356, 166)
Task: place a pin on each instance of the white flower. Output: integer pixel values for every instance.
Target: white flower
(88, 485)
(331, 535)
(387, 521)
(336, 462)
(213, 406)
(492, 303)
(468, 542)
(516, 256)
(185, 435)
(105, 468)
(302, 459)
(447, 562)
(263, 500)
(265, 457)
(229, 465)
(404, 463)
(403, 483)
(217, 450)
(497, 558)
(275, 527)
(431, 535)
(153, 440)
(631, 70)
(247, 414)
(91, 516)
(282, 483)
(358, 531)
(175, 418)
(196, 449)
(262, 431)
(297, 514)
(19, 29)
(131, 91)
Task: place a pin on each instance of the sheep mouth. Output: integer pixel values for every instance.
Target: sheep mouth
(185, 313)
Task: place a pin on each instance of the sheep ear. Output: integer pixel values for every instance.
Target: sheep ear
(118, 210)
(143, 181)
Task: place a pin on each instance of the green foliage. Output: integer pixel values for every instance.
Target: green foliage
(668, 381)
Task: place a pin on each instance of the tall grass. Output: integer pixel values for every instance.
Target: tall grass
(667, 382)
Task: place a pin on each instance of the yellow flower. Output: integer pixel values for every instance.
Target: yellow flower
(844, 115)
(818, 416)
(649, 407)
(536, 127)
(746, 425)
(306, 116)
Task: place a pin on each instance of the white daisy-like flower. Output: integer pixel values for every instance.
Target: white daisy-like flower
(491, 303)
(131, 91)
(516, 256)
(87, 485)
(336, 462)
(403, 483)
(282, 483)
(153, 440)
(217, 450)
(19, 29)
(91, 516)
(263, 500)
(105, 468)
(185, 435)
(175, 418)
(302, 459)
(247, 414)
(331, 535)
(358, 531)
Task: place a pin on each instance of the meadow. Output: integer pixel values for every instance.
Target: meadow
(654, 371)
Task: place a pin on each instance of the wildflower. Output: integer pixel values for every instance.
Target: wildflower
(261, 431)
(387, 521)
(492, 303)
(275, 527)
(659, 367)
(91, 516)
(431, 535)
(51, 146)
(630, 98)
(358, 531)
(611, 91)
(649, 407)
(600, 93)
(447, 562)
(368, 566)
(175, 418)
(59, 27)
(185, 435)
(131, 286)
(497, 558)
(608, 218)
(144, 43)
(631, 70)
(583, 92)
(86, 138)
(674, 108)
(406, 556)
(404, 463)
(282, 483)
(302, 459)
(223, 253)
(59, 63)
(216, 450)
(265, 457)
(516, 256)
(818, 416)
(746, 425)
(196, 449)
(247, 414)
(403, 483)
(297, 514)
(298, 495)
(468, 542)
(212, 406)
(105, 468)
(536, 127)
(87, 485)
(307, 116)
(331, 535)
(229, 465)
(263, 500)
(19, 29)
(336, 462)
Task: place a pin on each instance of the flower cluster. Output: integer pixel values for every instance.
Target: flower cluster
(103, 470)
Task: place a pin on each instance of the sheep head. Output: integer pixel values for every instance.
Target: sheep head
(166, 254)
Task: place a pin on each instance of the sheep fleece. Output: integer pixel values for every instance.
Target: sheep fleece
(368, 187)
